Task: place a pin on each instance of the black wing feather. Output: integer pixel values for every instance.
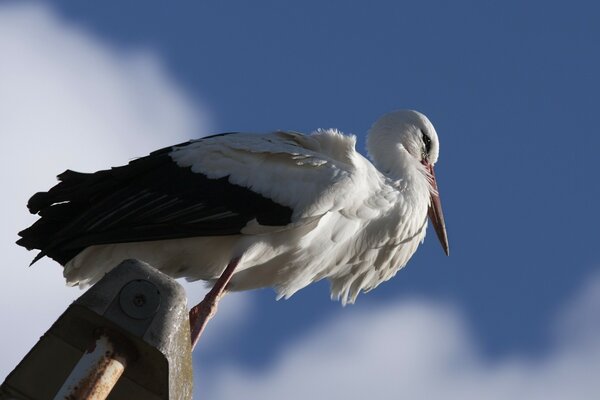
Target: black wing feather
(151, 198)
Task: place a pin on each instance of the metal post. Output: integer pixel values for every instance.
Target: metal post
(96, 373)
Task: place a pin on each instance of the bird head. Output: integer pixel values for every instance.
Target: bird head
(404, 141)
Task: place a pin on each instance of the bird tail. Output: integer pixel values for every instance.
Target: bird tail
(57, 208)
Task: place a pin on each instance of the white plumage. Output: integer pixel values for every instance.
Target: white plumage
(351, 221)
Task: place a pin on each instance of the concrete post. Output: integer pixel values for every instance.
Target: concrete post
(128, 335)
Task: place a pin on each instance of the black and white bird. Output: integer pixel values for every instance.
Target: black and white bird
(248, 210)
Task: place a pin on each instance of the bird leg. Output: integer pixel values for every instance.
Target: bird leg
(202, 312)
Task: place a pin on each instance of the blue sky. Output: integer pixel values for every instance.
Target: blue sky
(510, 87)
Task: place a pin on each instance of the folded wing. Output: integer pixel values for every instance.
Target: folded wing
(208, 187)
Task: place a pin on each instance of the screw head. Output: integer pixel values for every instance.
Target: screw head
(139, 299)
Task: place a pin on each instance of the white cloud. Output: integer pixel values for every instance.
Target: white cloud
(68, 100)
(423, 350)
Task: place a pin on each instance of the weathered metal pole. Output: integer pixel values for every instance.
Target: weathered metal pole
(96, 373)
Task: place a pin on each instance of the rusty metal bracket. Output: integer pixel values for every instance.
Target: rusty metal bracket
(127, 337)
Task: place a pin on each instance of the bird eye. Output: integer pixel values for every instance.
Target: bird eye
(427, 143)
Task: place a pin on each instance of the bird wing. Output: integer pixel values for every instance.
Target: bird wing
(211, 186)
(307, 173)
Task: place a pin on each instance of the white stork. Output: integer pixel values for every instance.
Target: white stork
(245, 211)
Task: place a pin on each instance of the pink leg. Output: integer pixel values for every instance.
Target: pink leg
(202, 312)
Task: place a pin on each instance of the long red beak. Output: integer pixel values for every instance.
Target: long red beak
(435, 211)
